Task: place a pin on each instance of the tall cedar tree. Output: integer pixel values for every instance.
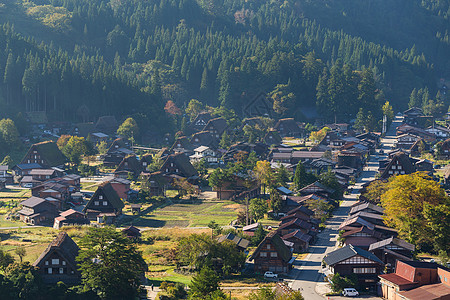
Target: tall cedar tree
(110, 264)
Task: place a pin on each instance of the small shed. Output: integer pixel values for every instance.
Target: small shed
(136, 208)
(132, 232)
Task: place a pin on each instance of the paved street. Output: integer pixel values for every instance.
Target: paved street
(307, 274)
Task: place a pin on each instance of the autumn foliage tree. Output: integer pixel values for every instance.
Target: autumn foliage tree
(407, 202)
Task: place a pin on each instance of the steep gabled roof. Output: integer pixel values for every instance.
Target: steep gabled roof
(49, 151)
(347, 252)
(110, 194)
(403, 160)
(182, 162)
(183, 142)
(129, 162)
(65, 246)
(107, 124)
(276, 138)
(274, 238)
(218, 123)
(288, 124)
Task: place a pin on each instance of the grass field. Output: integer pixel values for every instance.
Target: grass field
(14, 194)
(186, 214)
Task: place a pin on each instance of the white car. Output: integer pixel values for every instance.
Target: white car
(350, 292)
(269, 274)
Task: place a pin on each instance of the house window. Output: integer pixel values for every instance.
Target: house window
(268, 246)
(126, 164)
(46, 262)
(399, 167)
(55, 261)
(171, 164)
(61, 270)
(364, 270)
(263, 254)
(105, 203)
(63, 262)
(96, 203)
(273, 254)
(176, 170)
(167, 170)
(144, 163)
(393, 167)
(100, 197)
(49, 270)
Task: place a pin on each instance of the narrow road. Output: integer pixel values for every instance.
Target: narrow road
(308, 272)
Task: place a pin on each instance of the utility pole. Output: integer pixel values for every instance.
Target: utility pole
(246, 211)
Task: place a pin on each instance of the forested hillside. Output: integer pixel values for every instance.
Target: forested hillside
(74, 58)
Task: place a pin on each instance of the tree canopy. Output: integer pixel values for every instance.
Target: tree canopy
(110, 263)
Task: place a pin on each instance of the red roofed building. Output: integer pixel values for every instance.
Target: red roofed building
(414, 280)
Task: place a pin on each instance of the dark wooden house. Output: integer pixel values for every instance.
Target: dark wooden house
(272, 254)
(392, 249)
(107, 124)
(179, 164)
(46, 154)
(58, 261)
(104, 201)
(132, 232)
(351, 260)
(216, 126)
(400, 164)
(200, 121)
(288, 127)
(155, 183)
(299, 239)
(116, 152)
(129, 166)
(36, 210)
(24, 169)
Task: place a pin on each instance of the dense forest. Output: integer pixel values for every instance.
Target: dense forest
(79, 59)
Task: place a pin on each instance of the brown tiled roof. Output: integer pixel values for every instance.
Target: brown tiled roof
(396, 279)
(430, 292)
